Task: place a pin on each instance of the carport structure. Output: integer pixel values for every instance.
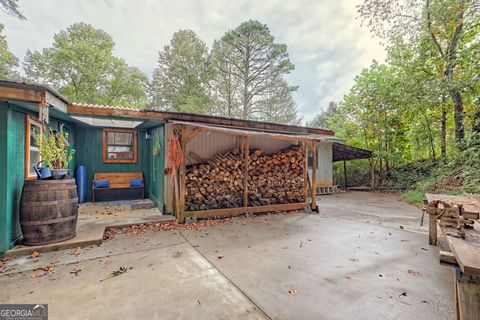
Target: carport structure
(342, 152)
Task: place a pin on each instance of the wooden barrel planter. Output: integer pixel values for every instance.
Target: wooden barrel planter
(48, 211)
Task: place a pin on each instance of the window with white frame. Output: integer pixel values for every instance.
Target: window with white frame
(32, 151)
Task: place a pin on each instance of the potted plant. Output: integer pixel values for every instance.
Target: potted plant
(55, 151)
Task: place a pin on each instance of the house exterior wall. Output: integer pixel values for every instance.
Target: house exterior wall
(88, 152)
(156, 185)
(12, 169)
(325, 164)
(205, 145)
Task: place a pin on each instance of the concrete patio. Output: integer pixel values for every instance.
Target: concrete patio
(93, 218)
(335, 264)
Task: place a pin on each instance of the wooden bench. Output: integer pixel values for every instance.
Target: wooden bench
(118, 180)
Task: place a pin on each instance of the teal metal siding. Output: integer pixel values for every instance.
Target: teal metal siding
(16, 169)
(89, 144)
(4, 214)
(12, 169)
(157, 167)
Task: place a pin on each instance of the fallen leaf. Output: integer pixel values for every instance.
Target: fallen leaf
(75, 251)
(220, 256)
(414, 273)
(36, 254)
(293, 292)
(349, 277)
(178, 254)
(75, 271)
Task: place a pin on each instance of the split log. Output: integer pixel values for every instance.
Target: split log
(272, 179)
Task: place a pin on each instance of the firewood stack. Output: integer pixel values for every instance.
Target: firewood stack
(273, 179)
(276, 178)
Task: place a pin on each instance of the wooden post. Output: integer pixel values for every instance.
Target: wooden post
(305, 172)
(246, 156)
(181, 171)
(345, 174)
(314, 176)
(372, 165)
(432, 229)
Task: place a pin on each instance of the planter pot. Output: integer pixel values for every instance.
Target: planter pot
(59, 173)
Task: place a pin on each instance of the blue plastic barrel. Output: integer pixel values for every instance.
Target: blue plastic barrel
(81, 179)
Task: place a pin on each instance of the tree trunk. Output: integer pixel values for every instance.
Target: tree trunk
(476, 121)
(246, 76)
(458, 114)
(443, 145)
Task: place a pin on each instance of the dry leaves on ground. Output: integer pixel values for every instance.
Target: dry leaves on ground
(349, 277)
(35, 254)
(220, 256)
(293, 292)
(178, 254)
(46, 269)
(75, 271)
(197, 226)
(75, 251)
(414, 273)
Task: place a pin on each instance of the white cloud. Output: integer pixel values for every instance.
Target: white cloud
(325, 41)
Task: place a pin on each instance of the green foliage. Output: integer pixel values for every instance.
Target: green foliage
(180, 82)
(81, 66)
(413, 196)
(249, 58)
(54, 148)
(8, 61)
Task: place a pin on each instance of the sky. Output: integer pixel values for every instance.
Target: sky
(325, 39)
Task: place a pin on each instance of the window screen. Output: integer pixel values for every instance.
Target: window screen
(120, 146)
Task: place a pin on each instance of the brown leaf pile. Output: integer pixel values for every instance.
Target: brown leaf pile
(164, 226)
(200, 225)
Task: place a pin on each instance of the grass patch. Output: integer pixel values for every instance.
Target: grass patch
(413, 196)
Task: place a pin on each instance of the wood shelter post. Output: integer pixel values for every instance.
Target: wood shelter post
(314, 175)
(305, 172)
(181, 171)
(372, 168)
(345, 173)
(246, 156)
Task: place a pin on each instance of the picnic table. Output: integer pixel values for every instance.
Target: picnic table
(463, 254)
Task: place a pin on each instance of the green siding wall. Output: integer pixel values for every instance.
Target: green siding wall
(12, 170)
(88, 143)
(4, 215)
(16, 169)
(158, 166)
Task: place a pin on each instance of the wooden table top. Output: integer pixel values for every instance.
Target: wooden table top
(466, 251)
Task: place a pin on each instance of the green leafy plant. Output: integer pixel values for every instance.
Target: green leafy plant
(54, 148)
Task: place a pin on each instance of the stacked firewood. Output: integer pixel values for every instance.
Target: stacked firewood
(272, 179)
(276, 178)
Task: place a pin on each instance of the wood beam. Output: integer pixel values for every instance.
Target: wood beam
(314, 177)
(19, 94)
(305, 172)
(246, 157)
(182, 176)
(76, 109)
(230, 212)
(193, 134)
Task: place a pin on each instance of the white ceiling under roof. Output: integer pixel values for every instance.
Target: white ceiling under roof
(112, 123)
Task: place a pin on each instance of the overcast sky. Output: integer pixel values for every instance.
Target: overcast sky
(325, 40)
